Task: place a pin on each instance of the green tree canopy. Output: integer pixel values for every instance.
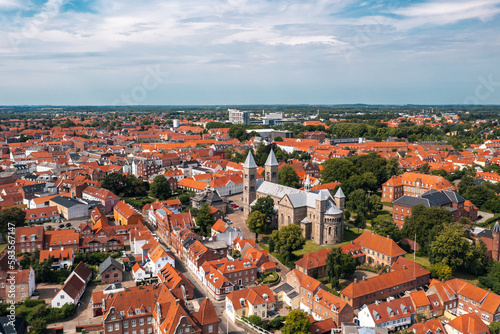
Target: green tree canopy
(265, 205)
(14, 216)
(426, 224)
(115, 182)
(287, 176)
(297, 322)
(337, 170)
(256, 223)
(339, 265)
(494, 327)
(204, 220)
(160, 188)
(288, 239)
(384, 225)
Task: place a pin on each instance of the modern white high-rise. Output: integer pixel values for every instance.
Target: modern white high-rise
(238, 117)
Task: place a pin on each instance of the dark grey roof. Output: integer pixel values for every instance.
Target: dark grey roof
(19, 326)
(67, 202)
(412, 201)
(283, 287)
(34, 187)
(479, 182)
(440, 198)
(108, 262)
(485, 233)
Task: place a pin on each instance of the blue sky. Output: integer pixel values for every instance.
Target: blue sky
(249, 52)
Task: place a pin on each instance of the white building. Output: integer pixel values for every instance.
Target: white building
(74, 287)
(395, 314)
(139, 273)
(157, 259)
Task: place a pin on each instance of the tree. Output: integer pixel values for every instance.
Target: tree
(288, 239)
(12, 217)
(425, 168)
(38, 326)
(337, 170)
(477, 260)
(265, 205)
(440, 271)
(358, 202)
(256, 223)
(492, 279)
(384, 225)
(426, 224)
(339, 265)
(278, 138)
(204, 220)
(160, 188)
(450, 248)
(136, 187)
(375, 203)
(115, 182)
(297, 322)
(271, 245)
(287, 176)
(360, 221)
(392, 167)
(494, 327)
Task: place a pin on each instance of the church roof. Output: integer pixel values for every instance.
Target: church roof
(339, 193)
(271, 159)
(249, 161)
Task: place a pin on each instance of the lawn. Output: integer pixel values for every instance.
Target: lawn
(349, 235)
(423, 261)
(2, 247)
(466, 277)
(310, 247)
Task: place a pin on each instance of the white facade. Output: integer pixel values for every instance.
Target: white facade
(61, 299)
(230, 188)
(154, 267)
(139, 275)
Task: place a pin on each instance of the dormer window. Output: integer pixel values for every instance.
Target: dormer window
(136, 311)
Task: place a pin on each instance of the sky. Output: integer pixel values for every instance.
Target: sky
(224, 52)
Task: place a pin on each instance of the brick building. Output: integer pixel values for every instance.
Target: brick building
(413, 184)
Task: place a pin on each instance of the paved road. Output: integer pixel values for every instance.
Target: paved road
(200, 292)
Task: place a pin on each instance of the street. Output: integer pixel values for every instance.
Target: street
(200, 293)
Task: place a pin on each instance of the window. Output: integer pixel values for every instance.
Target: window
(141, 322)
(110, 328)
(133, 323)
(117, 327)
(125, 324)
(210, 328)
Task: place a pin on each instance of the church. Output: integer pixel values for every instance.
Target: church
(320, 214)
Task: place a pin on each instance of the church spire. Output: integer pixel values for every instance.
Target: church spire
(271, 159)
(307, 185)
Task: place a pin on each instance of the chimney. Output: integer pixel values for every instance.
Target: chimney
(364, 278)
(388, 237)
(355, 280)
(404, 266)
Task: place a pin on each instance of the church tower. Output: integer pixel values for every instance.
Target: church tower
(271, 168)
(340, 199)
(249, 183)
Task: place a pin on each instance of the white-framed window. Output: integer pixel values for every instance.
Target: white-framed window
(110, 328)
(117, 327)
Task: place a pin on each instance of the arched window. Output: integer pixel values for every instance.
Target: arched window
(330, 230)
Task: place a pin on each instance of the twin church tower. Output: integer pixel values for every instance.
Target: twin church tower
(320, 214)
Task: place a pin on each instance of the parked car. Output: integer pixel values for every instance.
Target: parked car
(35, 293)
(241, 208)
(61, 226)
(68, 224)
